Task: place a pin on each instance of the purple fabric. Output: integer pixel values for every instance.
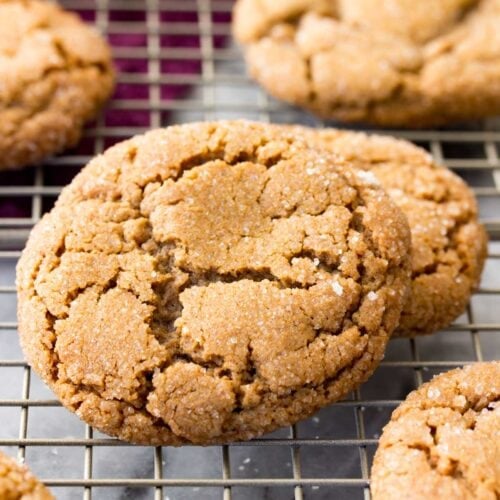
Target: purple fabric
(16, 207)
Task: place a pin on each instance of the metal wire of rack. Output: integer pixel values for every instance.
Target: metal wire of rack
(177, 64)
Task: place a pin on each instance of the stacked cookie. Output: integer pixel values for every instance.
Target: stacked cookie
(448, 243)
(250, 273)
(211, 282)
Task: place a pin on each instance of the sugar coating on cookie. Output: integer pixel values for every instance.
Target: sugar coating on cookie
(449, 245)
(55, 74)
(389, 62)
(18, 483)
(443, 441)
(211, 282)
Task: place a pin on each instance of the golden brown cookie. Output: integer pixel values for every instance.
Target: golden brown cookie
(444, 440)
(55, 74)
(211, 282)
(18, 483)
(388, 62)
(448, 243)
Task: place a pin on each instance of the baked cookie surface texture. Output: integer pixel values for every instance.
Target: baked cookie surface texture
(449, 245)
(55, 74)
(444, 440)
(18, 483)
(387, 62)
(211, 282)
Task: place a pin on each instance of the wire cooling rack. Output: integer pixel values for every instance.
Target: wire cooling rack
(177, 63)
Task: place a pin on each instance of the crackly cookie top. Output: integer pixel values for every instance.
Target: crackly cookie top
(211, 282)
(444, 440)
(17, 482)
(55, 73)
(395, 62)
(448, 242)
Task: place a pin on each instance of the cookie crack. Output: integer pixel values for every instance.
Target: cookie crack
(54, 357)
(441, 261)
(321, 388)
(210, 276)
(312, 94)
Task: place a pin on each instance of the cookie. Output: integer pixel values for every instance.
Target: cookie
(55, 75)
(390, 63)
(18, 483)
(444, 440)
(449, 245)
(211, 282)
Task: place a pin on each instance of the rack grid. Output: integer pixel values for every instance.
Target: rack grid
(177, 63)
